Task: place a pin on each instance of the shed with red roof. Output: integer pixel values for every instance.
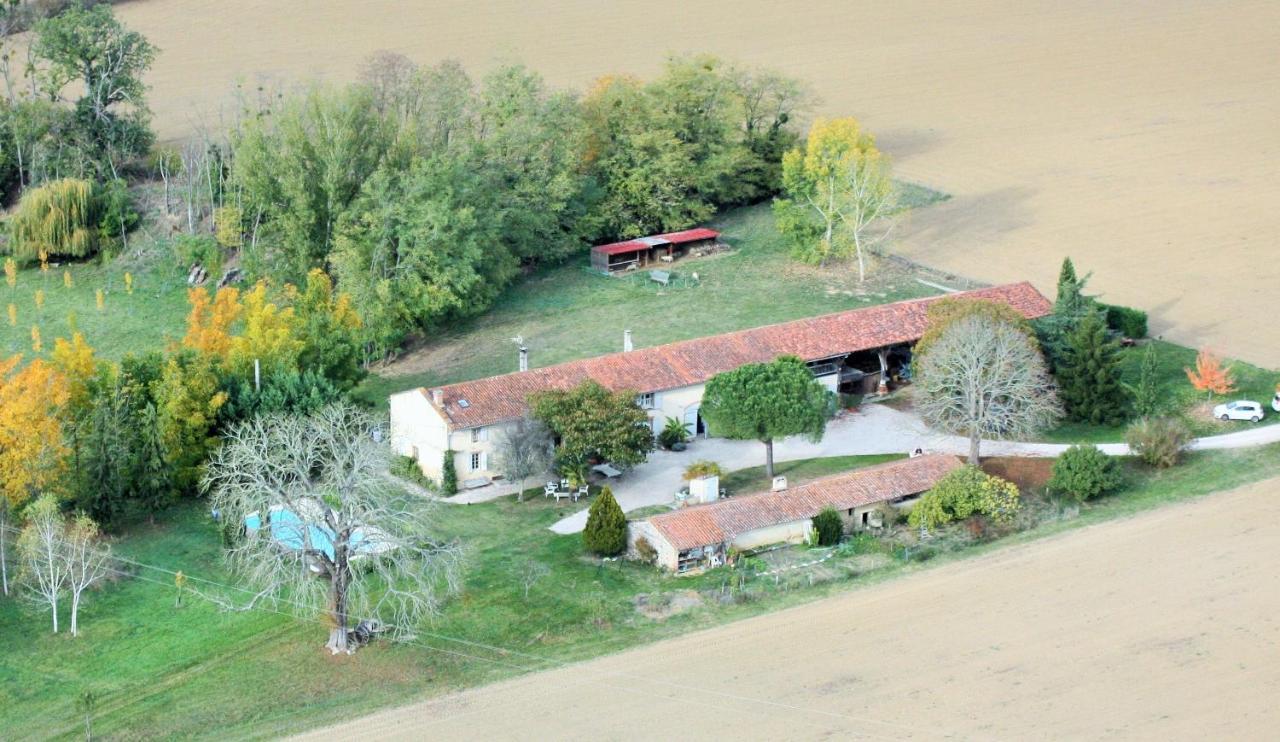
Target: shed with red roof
(643, 251)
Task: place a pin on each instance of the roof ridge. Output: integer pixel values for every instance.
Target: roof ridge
(730, 333)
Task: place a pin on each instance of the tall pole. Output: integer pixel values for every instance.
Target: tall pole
(257, 375)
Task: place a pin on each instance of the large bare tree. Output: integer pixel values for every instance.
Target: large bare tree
(985, 378)
(523, 449)
(323, 534)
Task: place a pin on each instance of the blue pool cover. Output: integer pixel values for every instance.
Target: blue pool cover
(288, 530)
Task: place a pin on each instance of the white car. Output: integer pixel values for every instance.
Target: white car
(1241, 409)
(1275, 402)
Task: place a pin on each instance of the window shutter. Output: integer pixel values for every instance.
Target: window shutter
(484, 461)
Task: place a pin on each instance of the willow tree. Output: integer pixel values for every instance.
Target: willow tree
(322, 534)
(837, 189)
(57, 218)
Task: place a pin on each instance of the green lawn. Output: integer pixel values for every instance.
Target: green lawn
(194, 671)
(569, 312)
(1252, 382)
(129, 323)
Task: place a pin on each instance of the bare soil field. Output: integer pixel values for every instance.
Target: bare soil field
(1137, 137)
(1155, 627)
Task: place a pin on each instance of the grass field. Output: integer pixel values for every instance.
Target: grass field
(128, 323)
(161, 671)
(569, 312)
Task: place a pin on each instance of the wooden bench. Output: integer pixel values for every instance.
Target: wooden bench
(662, 277)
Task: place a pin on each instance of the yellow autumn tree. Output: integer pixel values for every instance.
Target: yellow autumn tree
(268, 335)
(32, 450)
(835, 190)
(188, 399)
(210, 320)
(329, 329)
(75, 360)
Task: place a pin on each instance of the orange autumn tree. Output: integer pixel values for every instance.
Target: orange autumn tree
(210, 319)
(32, 452)
(1211, 374)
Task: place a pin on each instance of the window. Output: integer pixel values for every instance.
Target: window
(475, 461)
(646, 401)
(479, 434)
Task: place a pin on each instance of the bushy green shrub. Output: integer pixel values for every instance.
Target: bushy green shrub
(59, 219)
(449, 475)
(1158, 441)
(829, 526)
(1084, 472)
(406, 468)
(191, 249)
(1130, 322)
(964, 492)
(606, 531)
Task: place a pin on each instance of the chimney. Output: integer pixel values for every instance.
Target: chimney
(626, 340)
(437, 396)
(524, 357)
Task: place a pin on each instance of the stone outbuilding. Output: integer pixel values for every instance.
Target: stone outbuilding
(701, 536)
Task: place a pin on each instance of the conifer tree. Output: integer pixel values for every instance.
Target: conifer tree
(606, 531)
(1146, 395)
(1089, 375)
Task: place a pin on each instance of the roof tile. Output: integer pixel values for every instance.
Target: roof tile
(722, 521)
(689, 362)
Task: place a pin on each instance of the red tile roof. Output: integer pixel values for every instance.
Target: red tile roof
(688, 235)
(722, 521)
(689, 362)
(657, 240)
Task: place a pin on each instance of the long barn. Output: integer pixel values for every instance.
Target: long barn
(855, 349)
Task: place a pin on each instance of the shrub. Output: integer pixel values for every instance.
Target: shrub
(1132, 323)
(829, 526)
(1084, 472)
(204, 250)
(406, 468)
(962, 493)
(672, 433)
(702, 468)
(448, 475)
(645, 551)
(606, 531)
(1158, 441)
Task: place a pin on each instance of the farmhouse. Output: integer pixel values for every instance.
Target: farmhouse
(701, 536)
(642, 251)
(855, 350)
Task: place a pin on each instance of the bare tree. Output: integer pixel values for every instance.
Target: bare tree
(531, 573)
(321, 531)
(871, 196)
(985, 378)
(87, 559)
(6, 511)
(523, 450)
(44, 568)
(392, 78)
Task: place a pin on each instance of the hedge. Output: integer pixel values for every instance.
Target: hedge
(1132, 323)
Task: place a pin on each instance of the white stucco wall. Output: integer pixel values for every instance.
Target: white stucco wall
(793, 532)
(418, 430)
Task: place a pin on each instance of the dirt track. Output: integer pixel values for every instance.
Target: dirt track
(1138, 137)
(1163, 626)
